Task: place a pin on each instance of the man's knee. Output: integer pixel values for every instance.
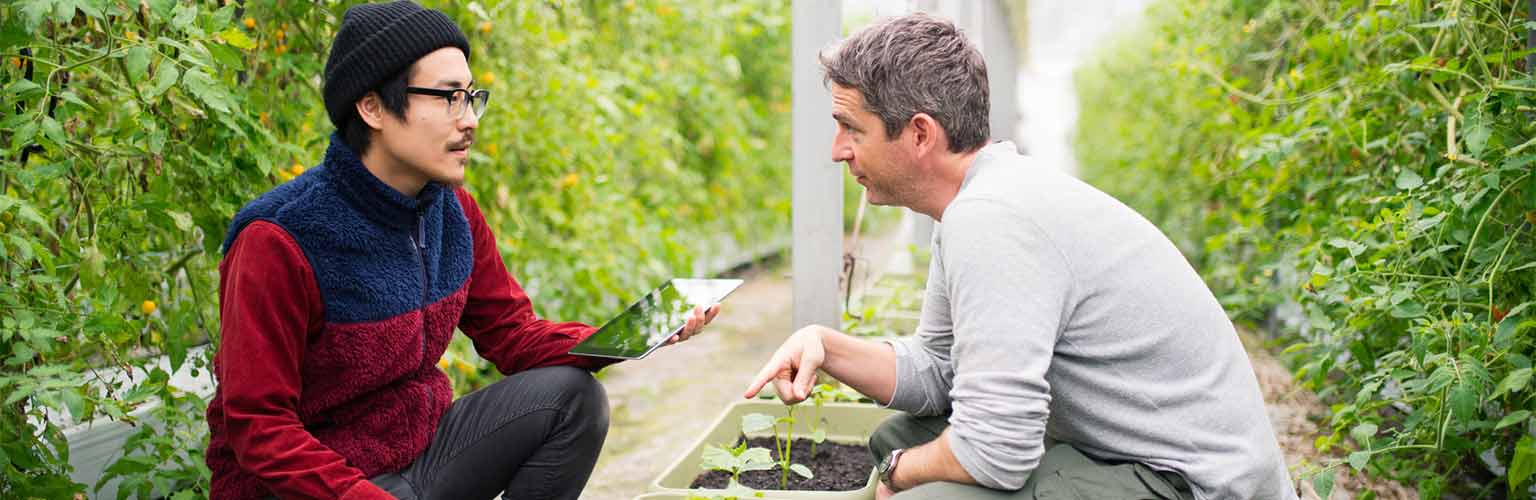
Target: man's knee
(574, 391)
(904, 431)
(578, 390)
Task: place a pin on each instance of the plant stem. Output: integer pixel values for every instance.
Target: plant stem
(815, 422)
(778, 446)
(789, 437)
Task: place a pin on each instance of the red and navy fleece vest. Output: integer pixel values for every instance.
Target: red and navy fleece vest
(338, 297)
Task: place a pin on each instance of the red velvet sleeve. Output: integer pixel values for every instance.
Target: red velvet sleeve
(269, 305)
(499, 318)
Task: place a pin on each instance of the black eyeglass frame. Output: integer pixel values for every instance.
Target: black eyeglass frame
(453, 95)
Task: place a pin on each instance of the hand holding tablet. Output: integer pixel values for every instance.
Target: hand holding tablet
(656, 318)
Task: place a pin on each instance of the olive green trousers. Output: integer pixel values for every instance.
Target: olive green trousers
(1064, 472)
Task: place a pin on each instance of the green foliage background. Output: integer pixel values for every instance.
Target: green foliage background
(1373, 162)
(625, 141)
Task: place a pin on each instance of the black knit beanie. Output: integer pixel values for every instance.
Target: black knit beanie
(375, 42)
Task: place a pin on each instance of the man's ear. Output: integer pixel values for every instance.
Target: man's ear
(371, 110)
(927, 134)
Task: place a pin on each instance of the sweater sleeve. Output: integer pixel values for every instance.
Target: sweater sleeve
(924, 369)
(1009, 292)
(499, 317)
(269, 305)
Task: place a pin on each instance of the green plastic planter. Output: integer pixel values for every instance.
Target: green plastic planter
(698, 494)
(847, 423)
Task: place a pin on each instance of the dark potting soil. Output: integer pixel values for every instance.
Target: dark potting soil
(837, 467)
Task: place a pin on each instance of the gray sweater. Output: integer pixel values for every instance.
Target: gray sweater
(1054, 310)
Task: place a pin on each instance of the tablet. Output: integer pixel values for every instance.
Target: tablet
(653, 319)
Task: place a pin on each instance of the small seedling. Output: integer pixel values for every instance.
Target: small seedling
(736, 460)
(820, 396)
(755, 422)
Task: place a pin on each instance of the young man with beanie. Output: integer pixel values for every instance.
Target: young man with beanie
(340, 290)
(1065, 349)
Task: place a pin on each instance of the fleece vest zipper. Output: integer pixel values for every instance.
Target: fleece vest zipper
(419, 245)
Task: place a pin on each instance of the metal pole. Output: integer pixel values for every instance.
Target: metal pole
(817, 249)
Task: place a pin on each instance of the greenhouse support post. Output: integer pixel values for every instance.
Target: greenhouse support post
(817, 196)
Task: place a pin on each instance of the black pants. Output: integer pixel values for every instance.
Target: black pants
(533, 435)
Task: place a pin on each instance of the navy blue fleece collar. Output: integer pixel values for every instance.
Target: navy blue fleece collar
(371, 196)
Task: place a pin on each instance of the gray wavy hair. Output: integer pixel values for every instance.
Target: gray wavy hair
(914, 64)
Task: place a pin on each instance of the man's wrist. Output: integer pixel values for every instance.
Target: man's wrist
(889, 468)
(833, 351)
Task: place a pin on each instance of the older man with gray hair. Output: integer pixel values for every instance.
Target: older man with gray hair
(1066, 349)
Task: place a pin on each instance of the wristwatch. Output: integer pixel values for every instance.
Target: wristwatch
(888, 469)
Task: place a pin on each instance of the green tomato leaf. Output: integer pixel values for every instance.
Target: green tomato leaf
(1409, 179)
(34, 11)
(1463, 400)
(1512, 419)
(1512, 383)
(1359, 459)
(165, 77)
(1408, 310)
(207, 90)
(182, 16)
(1322, 482)
(1363, 434)
(137, 61)
(54, 132)
(1476, 138)
(1522, 464)
(237, 38)
(802, 470)
(183, 220)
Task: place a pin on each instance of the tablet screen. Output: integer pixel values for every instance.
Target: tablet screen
(650, 321)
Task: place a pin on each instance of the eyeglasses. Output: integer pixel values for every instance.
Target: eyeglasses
(456, 98)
